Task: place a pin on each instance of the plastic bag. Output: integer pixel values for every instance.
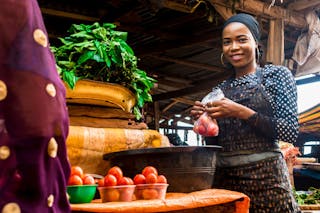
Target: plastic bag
(205, 125)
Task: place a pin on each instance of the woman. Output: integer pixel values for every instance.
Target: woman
(33, 117)
(259, 109)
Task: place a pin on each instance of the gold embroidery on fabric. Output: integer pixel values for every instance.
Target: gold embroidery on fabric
(3, 90)
(51, 90)
(52, 148)
(50, 200)
(40, 37)
(4, 152)
(11, 208)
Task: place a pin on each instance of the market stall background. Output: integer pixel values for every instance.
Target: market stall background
(178, 43)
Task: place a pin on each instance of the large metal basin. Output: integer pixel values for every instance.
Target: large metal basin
(187, 168)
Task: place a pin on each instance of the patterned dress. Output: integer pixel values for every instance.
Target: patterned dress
(251, 161)
(33, 116)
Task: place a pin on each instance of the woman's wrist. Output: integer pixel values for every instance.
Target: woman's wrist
(245, 113)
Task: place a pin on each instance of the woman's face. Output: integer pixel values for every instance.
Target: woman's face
(239, 46)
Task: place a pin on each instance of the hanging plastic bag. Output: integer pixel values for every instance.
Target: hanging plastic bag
(205, 125)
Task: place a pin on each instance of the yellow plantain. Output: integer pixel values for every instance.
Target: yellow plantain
(101, 94)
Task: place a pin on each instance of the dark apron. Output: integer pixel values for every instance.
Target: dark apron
(241, 143)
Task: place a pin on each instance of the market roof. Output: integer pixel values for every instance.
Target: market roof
(309, 121)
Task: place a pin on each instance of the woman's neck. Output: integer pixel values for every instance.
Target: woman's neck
(242, 71)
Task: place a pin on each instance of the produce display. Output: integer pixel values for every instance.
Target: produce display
(78, 177)
(81, 187)
(312, 196)
(148, 184)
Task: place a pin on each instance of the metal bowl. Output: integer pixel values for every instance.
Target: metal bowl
(187, 168)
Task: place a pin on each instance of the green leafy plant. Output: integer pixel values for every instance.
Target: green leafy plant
(312, 196)
(99, 52)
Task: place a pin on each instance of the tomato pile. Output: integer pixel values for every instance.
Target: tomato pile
(149, 175)
(206, 126)
(115, 186)
(78, 177)
(114, 177)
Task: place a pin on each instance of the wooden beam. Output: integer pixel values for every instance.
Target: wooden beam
(189, 63)
(303, 4)
(181, 7)
(169, 106)
(189, 40)
(224, 12)
(275, 50)
(184, 100)
(162, 80)
(200, 87)
(75, 16)
(260, 8)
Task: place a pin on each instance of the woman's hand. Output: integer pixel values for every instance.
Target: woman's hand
(197, 110)
(227, 108)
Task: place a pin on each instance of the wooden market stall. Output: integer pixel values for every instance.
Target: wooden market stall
(309, 174)
(205, 201)
(309, 121)
(178, 43)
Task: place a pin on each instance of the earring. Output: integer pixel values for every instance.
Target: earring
(221, 60)
(258, 55)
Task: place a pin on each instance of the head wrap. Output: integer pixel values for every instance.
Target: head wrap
(248, 20)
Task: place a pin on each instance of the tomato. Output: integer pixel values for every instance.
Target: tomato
(110, 180)
(75, 180)
(151, 178)
(112, 195)
(161, 179)
(116, 171)
(130, 181)
(77, 170)
(204, 119)
(139, 179)
(125, 181)
(149, 194)
(148, 170)
(101, 182)
(212, 129)
(88, 180)
(202, 129)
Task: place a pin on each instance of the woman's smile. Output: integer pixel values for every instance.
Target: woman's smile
(236, 57)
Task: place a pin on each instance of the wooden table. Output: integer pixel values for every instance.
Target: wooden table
(209, 201)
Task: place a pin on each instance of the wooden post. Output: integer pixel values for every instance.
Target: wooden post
(275, 51)
(156, 115)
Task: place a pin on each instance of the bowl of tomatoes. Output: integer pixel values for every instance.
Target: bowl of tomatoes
(150, 184)
(115, 186)
(81, 187)
(81, 193)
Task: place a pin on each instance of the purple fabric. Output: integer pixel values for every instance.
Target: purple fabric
(29, 116)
